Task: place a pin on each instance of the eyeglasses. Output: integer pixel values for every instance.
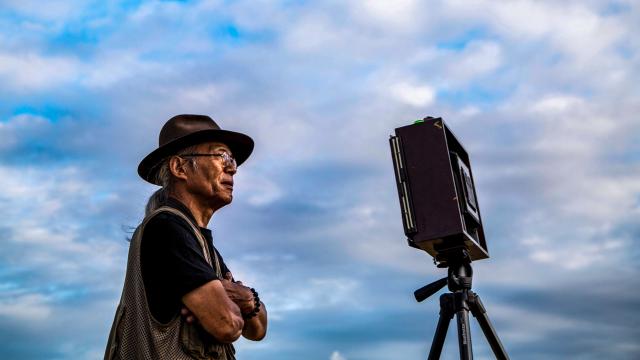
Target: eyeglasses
(227, 159)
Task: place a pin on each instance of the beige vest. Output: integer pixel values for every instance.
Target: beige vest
(135, 334)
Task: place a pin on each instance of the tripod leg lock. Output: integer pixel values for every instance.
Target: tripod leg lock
(476, 304)
(447, 306)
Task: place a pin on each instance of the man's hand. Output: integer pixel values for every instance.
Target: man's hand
(238, 293)
(254, 328)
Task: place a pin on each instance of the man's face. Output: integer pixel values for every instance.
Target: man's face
(212, 181)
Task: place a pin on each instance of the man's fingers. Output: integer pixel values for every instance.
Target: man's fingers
(184, 311)
(228, 275)
(190, 319)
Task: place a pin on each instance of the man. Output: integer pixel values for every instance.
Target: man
(180, 300)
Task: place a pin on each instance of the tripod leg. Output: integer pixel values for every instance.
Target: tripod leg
(446, 314)
(480, 313)
(464, 332)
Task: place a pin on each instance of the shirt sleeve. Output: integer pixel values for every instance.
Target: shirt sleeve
(172, 262)
(223, 266)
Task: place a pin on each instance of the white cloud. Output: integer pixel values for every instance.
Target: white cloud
(46, 233)
(414, 95)
(315, 33)
(571, 27)
(337, 356)
(539, 324)
(384, 350)
(31, 71)
(57, 11)
(369, 34)
(470, 111)
(200, 95)
(478, 58)
(153, 10)
(576, 255)
(26, 307)
(260, 190)
(553, 104)
(400, 15)
(315, 293)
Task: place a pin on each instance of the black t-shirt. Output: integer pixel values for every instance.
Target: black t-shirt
(172, 261)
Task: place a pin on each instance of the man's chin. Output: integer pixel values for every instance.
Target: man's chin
(220, 200)
(227, 199)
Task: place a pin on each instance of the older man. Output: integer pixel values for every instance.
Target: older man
(180, 300)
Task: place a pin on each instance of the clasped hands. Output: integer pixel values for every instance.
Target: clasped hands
(238, 293)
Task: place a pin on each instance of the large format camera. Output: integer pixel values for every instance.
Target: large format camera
(440, 214)
(437, 195)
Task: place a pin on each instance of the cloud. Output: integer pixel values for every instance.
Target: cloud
(553, 104)
(262, 191)
(27, 307)
(414, 95)
(402, 16)
(37, 240)
(571, 26)
(31, 71)
(313, 33)
(54, 11)
(542, 94)
(477, 59)
(337, 356)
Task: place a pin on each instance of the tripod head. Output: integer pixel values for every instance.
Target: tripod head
(459, 274)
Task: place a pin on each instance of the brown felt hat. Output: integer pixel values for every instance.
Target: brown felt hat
(185, 130)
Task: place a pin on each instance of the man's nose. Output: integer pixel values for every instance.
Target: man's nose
(230, 169)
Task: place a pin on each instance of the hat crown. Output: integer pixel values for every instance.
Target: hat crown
(183, 125)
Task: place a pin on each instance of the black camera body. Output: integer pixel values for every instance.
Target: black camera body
(438, 200)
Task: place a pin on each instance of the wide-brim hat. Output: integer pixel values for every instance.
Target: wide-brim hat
(186, 130)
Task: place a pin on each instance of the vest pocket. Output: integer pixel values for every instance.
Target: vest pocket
(197, 343)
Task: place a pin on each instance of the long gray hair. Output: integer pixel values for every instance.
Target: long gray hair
(166, 180)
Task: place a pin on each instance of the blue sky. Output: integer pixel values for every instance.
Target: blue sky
(543, 94)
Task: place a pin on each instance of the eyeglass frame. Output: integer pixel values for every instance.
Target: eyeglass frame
(227, 159)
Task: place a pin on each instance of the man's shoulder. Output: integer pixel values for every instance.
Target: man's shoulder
(168, 222)
(167, 216)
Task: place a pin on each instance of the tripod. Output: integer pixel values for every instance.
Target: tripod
(459, 302)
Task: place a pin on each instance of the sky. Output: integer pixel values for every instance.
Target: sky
(544, 96)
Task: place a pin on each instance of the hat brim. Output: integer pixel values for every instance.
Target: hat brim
(240, 145)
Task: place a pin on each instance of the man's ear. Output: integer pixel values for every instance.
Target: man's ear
(177, 168)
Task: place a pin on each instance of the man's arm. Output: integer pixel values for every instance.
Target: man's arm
(217, 313)
(242, 297)
(256, 327)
